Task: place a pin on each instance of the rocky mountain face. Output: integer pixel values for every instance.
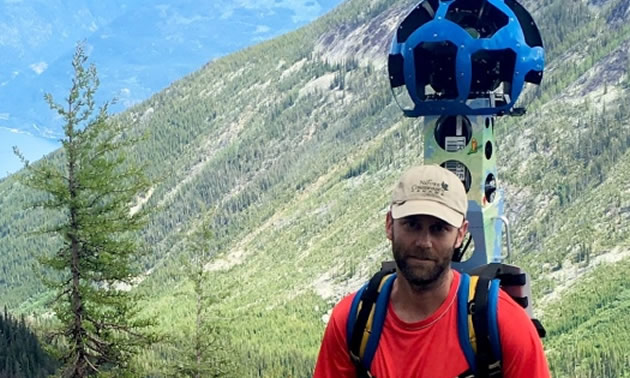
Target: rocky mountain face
(295, 144)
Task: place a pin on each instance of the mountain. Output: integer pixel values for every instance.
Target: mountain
(295, 144)
(140, 47)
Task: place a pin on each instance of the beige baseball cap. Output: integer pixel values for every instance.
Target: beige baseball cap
(430, 190)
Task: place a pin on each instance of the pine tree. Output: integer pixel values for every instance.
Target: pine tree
(93, 190)
(205, 353)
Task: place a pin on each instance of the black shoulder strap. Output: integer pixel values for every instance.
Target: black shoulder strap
(480, 322)
(367, 302)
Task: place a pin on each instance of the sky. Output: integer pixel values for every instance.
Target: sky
(31, 146)
(138, 47)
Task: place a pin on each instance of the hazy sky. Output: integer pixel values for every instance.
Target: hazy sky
(37, 39)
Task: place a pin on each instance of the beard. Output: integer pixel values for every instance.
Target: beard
(421, 268)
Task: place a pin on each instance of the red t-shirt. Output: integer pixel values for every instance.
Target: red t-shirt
(430, 348)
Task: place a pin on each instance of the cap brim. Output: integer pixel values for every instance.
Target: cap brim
(432, 208)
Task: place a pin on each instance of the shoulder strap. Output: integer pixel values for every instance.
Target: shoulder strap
(465, 331)
(366, 318)
(477, 324)
(477, 327)
(479, 315)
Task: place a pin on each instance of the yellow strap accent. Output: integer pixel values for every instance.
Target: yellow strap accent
(368, 326)
(380, 287)
(366, 332)
(471, 296)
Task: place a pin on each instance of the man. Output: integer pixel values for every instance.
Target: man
(425, 224)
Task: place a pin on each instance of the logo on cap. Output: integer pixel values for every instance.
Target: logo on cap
(430, 188)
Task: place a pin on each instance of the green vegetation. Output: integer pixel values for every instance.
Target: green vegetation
(203, 350)
(589, 327)
(296, 153)
(90, 197)
(21, 354)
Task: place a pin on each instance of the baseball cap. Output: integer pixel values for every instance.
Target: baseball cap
(430, 190)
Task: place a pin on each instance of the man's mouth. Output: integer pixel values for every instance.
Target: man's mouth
(419, 258)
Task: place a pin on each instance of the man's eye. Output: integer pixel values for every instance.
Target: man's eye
(412, 225)
(438, 228)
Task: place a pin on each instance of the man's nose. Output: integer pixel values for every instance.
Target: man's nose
(423, 239)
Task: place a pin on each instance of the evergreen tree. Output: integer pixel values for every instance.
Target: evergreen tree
(205, 354)
(93, 190)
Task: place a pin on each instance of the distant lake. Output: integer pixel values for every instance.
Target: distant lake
(32, 147)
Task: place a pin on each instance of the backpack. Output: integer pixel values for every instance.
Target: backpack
(477, 298)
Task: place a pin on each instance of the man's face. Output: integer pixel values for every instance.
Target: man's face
(423, 246)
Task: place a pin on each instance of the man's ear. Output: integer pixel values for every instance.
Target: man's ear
(389, 225)
(461, 233)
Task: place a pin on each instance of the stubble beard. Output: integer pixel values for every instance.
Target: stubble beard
(420, 278)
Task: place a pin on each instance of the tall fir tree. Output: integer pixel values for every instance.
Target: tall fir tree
(93, 190)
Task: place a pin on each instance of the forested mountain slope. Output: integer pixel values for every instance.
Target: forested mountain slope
(21, 354)
(290, 149)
